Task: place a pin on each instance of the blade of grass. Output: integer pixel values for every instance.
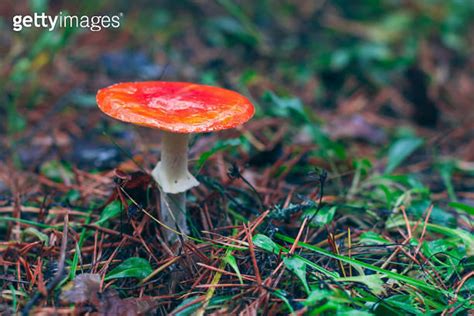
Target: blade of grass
(212, 289)
(82, 237)
(265, 243)
(465, 236)
(28, 222)
(390, 274)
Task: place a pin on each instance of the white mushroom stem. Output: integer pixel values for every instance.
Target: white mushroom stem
(173, 176)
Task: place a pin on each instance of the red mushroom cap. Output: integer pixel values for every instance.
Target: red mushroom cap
(179, 107)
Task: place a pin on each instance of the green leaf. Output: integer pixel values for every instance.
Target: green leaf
(219, 145)
(463, 207)
(371, 238)
(400, 150)
(325, 302)
(323, 217)
(389, 196)
(269, 245)
(283, 296)
(468, 286)
(112, 210)
(328, 147)
(266, 243)
(230, 260)
(373, 282)
(298, 267)
(31, 231)
(56, 171)
(316, 296)
(444, 252)
(134, 267)
(287, 107)
(446, 169)
(403, 303)
(393, 275)
(466, 237)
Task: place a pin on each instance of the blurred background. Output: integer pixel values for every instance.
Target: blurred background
(360, 66)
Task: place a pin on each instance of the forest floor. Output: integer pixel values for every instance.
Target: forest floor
(351, 191)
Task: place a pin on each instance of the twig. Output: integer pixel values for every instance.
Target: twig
(252, 255)
(295, 244)
(245, 277)
(407, 222)
(423, 232)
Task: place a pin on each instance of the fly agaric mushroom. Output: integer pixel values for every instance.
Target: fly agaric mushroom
(178, 109)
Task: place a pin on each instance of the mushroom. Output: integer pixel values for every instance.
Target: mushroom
(178, 109)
